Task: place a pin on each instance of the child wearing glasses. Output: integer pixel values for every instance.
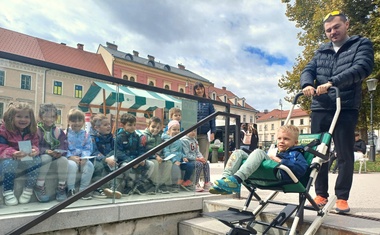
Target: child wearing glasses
(53, 146)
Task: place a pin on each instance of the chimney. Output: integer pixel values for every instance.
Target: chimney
(180, 66)
(111, 46)
(223, 87)
(62, 43)
(265, 111)
(135, 53)
(80, 46)
(151, 58)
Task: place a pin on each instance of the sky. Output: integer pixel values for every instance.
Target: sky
(243, 45)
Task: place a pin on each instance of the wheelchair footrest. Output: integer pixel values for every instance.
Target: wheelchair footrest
(231, 216)
(283, 216)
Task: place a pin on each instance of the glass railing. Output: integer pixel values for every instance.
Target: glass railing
(113, 98)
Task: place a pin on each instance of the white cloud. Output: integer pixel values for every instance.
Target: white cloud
(209, 37)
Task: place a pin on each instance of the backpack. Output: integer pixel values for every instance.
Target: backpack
(247, 138)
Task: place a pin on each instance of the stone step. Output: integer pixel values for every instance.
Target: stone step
(333, 223)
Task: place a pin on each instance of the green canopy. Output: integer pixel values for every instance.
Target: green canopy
(111, 98)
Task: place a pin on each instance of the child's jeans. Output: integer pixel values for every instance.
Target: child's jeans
(161, 172)
(9, 172)
(135, 176)
(86, 171)
(188, 167)
(62, 167)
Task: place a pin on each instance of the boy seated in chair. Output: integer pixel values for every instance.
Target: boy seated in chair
(288, 154)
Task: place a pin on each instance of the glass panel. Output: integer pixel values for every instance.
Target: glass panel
(105, 132)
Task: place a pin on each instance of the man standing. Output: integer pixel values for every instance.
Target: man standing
(343, 62)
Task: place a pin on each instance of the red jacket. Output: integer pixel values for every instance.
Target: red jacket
(9, 141)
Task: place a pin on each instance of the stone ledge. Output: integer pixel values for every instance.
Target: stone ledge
(105, 214)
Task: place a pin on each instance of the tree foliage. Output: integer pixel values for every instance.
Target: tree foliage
(364, 17)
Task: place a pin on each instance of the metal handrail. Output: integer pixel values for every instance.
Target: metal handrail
(55, 209)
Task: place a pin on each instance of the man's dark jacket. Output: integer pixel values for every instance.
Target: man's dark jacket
(346, 69)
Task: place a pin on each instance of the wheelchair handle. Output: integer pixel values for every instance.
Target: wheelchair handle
(330, 88)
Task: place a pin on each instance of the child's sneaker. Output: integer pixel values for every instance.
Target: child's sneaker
(40, 193)
(87, 197)
(127, 191)
(187, 183)
(10, 199)
(71, 192)
(320, 201)
(341, 206)
(99, 193)
(139, 189)
(207, 186)
(111, 192)
(164, 189)
(26, 196)
(175, 188)
(60, 193)
(198, 188)
(217, 190)
(229, 184)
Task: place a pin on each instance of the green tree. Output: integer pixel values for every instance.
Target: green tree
(364, 20)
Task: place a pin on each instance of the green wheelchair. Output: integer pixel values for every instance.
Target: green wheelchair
(244, 222)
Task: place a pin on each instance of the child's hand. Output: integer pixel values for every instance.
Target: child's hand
(110, 161)
(158, 158)
(201, 159)
(185, 159)
(54, 153)
(82, 161)
(274, 158)
(33, 153)
(18, 155)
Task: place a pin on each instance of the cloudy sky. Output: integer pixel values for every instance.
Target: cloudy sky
(243, 45)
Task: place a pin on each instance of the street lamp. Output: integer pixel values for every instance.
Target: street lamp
(371, 85)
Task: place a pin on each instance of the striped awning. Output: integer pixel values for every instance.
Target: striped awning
(112, 98)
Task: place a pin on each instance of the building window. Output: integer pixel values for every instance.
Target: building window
(132, 79)
(301, 121)
(167, 87)
(26, 81)
(225, 99)
(1, 110)
(243, 103)
(78, 91)
(282, 123)
(236, 101)
(272, 127)
(213, 96)
(291, 122)
(244, 119)
(181, 90)
(151, 83)
(57, 89)
(125, 77)
(59, 117)
(250, 119)
(2, 77)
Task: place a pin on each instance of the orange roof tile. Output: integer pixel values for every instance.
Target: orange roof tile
(36, 48)
(278, 114)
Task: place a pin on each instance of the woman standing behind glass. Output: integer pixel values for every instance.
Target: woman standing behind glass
(204, 110)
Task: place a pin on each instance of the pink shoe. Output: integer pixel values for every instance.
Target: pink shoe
(198, 188)
(207, 186)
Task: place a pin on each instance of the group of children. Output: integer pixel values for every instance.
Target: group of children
(91, 156)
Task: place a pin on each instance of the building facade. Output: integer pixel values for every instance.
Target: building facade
(269, 122)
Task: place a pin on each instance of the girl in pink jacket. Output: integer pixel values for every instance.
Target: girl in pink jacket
(19, 147)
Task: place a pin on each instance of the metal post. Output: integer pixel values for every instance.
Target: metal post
(372, 151)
